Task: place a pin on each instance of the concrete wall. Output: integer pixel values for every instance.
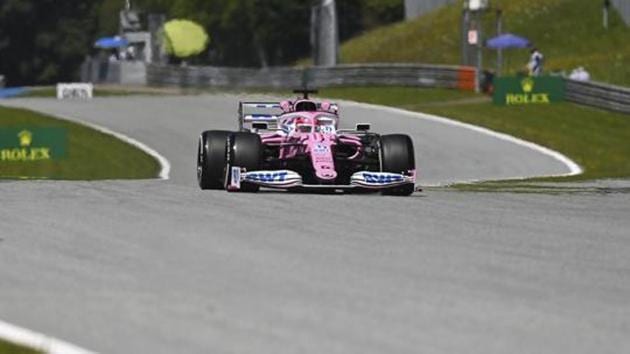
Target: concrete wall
(417, 75)
(415, 8)
(120, 72)
(623, 6)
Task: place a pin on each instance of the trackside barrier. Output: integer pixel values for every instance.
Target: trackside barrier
(600, 95)
(466, 78)
(289, 77)
(590, 93)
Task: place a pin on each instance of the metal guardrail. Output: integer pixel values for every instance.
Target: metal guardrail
(589, 93)
(290, 77)
(614, 98)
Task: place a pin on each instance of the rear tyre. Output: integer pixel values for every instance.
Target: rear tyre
(246, 151)
(397, 156)
(211, 159)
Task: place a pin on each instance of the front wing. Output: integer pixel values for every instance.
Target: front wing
(287, 179)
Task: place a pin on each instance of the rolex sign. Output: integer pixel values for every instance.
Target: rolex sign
(528, 90)
(32, 144)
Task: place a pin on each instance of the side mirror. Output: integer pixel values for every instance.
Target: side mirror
(363, 127)
(260, 126)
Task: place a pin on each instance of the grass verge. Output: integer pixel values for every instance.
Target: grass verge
(91, 155)
(598, 140)
(10, 348)
(523, 187)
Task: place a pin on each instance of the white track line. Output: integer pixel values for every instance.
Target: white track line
(38, 341)
(574, 168)
(165, 165)
(42, 342)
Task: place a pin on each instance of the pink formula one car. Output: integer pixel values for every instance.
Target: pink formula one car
(297, 145)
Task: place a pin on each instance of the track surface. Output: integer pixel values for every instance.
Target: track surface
(160, 267)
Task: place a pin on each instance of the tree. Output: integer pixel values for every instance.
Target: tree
(44, 41)
(270, 32)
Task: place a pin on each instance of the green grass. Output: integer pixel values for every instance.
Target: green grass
(10, 348)
(399, 96)
(568, 32)
(91, 155)
(598, 140)
(540, 188)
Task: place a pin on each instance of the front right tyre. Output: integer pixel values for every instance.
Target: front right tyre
(397, 156)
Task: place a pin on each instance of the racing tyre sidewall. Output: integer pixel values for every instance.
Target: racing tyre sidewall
(245, 151)
(397, 156)
(211, 159)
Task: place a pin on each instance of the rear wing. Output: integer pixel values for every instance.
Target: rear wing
(258, 112)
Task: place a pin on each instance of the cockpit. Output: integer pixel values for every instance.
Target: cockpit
(308, 123)
(305, 106)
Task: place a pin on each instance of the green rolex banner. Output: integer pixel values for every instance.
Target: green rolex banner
(512, 91)
(28, 144)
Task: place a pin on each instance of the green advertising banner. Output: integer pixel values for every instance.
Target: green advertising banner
(27, 144)
(526, 90)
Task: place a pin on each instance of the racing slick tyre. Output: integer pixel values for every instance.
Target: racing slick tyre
(211, 159)
(397, 156)
(245, 150)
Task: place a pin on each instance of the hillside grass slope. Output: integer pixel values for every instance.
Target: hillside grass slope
(568, 32)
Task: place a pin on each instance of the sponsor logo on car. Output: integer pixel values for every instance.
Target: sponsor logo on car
(382, 178)
(267, 177)
(321, 148)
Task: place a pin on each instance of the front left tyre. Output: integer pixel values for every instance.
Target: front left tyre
(211, 159)
(245, 150)
(397, 156)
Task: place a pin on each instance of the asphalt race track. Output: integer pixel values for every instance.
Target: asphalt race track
(162, 267)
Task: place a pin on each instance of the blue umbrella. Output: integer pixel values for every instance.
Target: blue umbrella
(111, 42)
(508, 40)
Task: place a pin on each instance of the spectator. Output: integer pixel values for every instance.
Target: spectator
(580, 74)
(487, 84)
(113, 57)
(131, 53)
(535, 65)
